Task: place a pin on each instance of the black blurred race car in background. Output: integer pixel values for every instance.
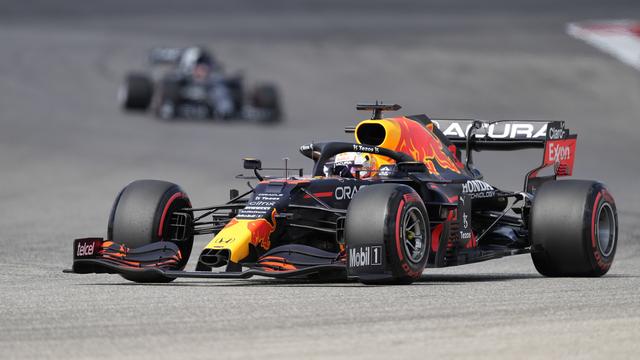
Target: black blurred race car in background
(196, 87)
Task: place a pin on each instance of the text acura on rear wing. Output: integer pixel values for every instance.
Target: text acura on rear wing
(558, 143)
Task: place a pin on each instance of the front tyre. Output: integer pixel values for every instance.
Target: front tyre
(394, 216)
(573, 229)
(145, 212)
(136, 92)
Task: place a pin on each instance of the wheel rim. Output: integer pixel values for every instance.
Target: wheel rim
(605, 229)
(414, 234)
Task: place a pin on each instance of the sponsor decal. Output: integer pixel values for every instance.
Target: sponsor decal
(556, 133)
(367, 149)
(87, 247)
(411, 137)
(237, 235)
(365, 256)
(476, 189)
(260, 206)
(560, 154)
(261, 230)
(346, 192)
(465, 225)
(502, 130)
(223, 240)
(425, 146)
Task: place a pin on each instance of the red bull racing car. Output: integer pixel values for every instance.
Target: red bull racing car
(404, 196)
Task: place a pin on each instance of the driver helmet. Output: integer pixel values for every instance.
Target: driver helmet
(195, 57)
(352, 164)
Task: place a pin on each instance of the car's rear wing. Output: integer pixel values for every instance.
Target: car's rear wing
(475, 135)
(501, 134)
(165, 55)
(558, 143)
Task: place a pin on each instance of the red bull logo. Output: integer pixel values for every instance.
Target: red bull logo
(412, 138)
(424, 146)
(239, 234)
(261, 230)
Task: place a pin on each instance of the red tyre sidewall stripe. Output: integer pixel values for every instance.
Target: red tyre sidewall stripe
(398, 216)
(166, 209)
(601, 262)
(593, 220)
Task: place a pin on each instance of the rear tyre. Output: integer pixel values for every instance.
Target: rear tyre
(573, 228)
(265, 101)
(136, 92)
(142, 215)
(393, 215)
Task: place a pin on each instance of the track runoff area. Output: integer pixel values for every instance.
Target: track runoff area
(619, 38)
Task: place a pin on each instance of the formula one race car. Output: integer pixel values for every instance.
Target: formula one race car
(379, 210)
(196, 87)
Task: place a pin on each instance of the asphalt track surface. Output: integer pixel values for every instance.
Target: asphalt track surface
(66, 150)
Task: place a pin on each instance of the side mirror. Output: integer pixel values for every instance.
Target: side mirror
(308, 151)
(252, 164)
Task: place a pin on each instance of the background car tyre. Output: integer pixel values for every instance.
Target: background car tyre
(136, 92)
(142, 214)
(265, 100)
(393, 215)
(573, 228)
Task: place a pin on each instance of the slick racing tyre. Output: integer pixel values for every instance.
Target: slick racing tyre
(136, 92)
(394, 216)
(573, 229)
(143, 214)
(265, 100)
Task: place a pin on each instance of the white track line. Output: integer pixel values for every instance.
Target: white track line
(619, 38)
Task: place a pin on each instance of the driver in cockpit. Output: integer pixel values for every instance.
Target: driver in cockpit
(203, 68)
(355, 165)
